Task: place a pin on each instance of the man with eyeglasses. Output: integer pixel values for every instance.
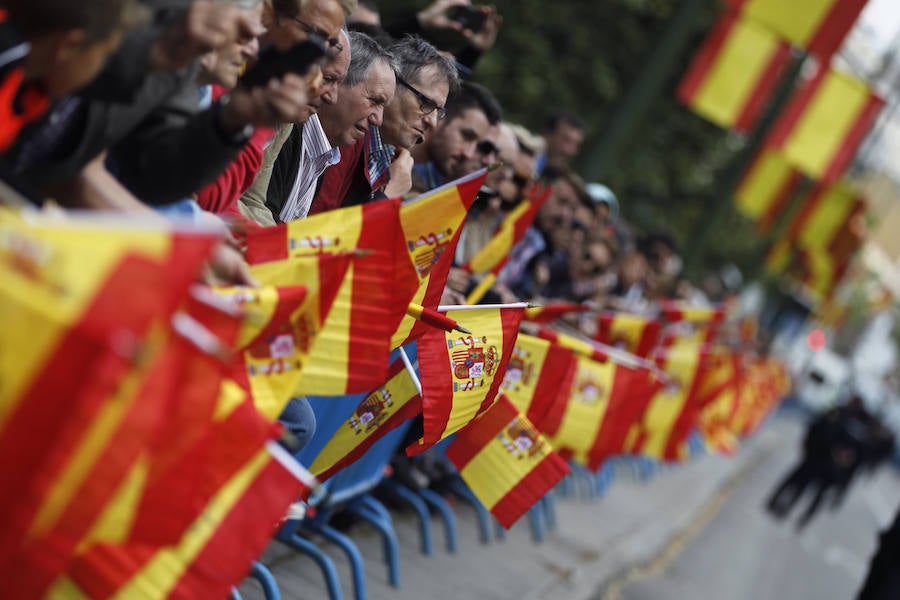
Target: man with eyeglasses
(379, 165)
(453, 150)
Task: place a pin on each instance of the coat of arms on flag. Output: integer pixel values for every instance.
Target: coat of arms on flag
(506, 462)
(461, 374)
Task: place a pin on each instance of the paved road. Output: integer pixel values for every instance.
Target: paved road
(743, 554)
(737, 554)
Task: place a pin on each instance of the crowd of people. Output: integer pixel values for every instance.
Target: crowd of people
(246, 113)
(249, 113)
(199, 107)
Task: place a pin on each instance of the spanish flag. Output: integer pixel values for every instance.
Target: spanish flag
(498, 250)
(678, 311)
(822, 238)
(215, 552)
(282, 326)
(148, 462)
(589, 397)
(510, 232)
(733, 75)
(173, 479)
(461, 374)
(351, 354)
(155, 504)
(825, 122)
(636, 334)
(506, 462)
(819, 26)
(60, 469)
(767, 188)
(538, 377)
(550, 312)
(827, 211)
(825, 269)
(91, 304)
(765, 383)
(579, 346)
(200, 360)
(719, 396)
(176, 492)
(378, 412)
(688, 417)
(632, 392)
(779, 257)
(431, 225)
(662, 432)
(840, 252)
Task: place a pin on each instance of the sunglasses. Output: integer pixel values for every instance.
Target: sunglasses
(487, 147)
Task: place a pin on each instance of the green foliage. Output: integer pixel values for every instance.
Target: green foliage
(584, 56)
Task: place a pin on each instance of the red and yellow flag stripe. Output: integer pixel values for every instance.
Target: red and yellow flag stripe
(431, 226)
(817, 25)
(506, 462)
(827, 119)
(767, 188)
(351, 353)
(734, 73)
(461, 374)
(380, 412)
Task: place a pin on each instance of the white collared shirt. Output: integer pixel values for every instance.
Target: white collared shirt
(315, 156)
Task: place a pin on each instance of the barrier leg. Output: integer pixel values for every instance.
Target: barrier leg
(270, 587)
(287, 535)
(381, 520)
(419, 505)
(459, 487)
(343, 542)
(446, 512)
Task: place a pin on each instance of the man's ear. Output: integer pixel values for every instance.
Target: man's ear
(268, 19)
(66, 45)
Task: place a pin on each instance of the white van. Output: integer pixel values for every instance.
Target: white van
(822, 379)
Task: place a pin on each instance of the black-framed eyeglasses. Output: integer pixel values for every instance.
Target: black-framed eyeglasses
(311, 29)
(426, 104)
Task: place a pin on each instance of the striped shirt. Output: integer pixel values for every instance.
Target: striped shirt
(316, 155)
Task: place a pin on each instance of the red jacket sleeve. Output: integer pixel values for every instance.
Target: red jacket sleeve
(221, 195)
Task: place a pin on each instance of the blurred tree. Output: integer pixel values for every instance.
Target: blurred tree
(583, 56)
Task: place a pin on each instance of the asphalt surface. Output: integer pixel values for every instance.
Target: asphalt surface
(742, 553)
(597, 539)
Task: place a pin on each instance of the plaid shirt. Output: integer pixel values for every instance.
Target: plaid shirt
(378, 160)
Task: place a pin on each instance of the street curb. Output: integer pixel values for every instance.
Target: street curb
(629, 554)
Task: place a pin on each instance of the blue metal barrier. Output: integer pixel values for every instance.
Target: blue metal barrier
(347, 489)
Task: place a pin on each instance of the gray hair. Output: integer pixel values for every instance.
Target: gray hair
(413, 54)
(365, 52)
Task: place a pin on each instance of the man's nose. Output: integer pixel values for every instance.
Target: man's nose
(377, 116)
(315, 81)
(430, 121)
